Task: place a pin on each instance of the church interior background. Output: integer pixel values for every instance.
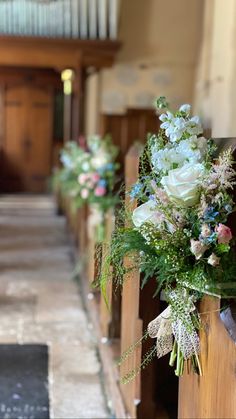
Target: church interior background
(72, 71)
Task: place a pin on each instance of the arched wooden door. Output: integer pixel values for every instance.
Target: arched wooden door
(27, 138)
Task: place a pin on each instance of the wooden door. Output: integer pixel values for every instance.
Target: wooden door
(27, 142)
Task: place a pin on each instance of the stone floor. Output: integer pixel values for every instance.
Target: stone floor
(40, 303)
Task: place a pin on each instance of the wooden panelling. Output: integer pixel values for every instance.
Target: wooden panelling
(212, 396)
(133, 126)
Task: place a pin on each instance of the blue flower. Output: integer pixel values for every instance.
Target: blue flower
(210, 239)
(110, 166)
(210, 214)
(101, 170)
(102, 182)
(136, 189)
(152, 197)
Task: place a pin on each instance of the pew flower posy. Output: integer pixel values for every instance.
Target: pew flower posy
(89, 177)
(179, 233)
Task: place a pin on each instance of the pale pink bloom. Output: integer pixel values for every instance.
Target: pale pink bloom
(160, 193)
(224, 234)
(90, 184)
(213, 260)
(197, 248)
(84, 193)
(94, 177)
(82, 178)
(205, 230)
(100, 191)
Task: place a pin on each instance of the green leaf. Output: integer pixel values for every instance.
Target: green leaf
(222, 248)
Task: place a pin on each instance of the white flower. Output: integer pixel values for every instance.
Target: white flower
(147, 213)
(205, 230)
(197, 248)
(186, 108)
(182, 185)
(213, 260)
(85, 166)
(166, 116)
(176, 129)
(66, 161)
(100, 159)
(193, 126)
(165, 158)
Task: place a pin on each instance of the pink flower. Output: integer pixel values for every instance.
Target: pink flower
(197, 248)
(82, 178)
(94, 177)
(100, 191)
(84, 193)
(224, 234)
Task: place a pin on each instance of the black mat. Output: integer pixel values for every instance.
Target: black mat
(24, 382)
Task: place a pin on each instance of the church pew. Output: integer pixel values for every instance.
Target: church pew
(110, 310)
(144, 396)
(212, 395)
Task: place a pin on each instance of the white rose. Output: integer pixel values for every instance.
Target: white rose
(147, 213)
(182, 185)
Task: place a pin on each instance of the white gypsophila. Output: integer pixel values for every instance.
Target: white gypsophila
(163, 160)
(182, 184)
(193, 149)
(186, 108)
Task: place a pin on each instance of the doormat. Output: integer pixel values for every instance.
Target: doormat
(24, 382)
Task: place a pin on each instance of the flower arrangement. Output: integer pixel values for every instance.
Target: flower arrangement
(178, 233)
(89, 175)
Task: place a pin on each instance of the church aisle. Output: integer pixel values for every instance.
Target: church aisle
(40, 304)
